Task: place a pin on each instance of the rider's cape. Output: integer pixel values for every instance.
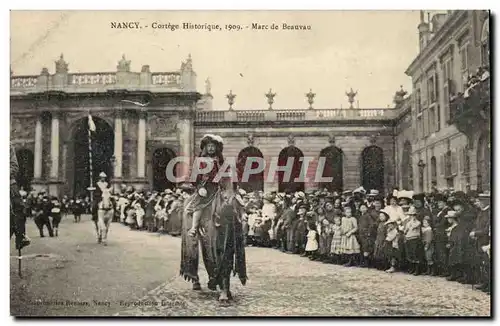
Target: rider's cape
(222, 245)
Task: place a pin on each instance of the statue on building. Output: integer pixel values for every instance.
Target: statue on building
(61, 65)
(123, 65)
(351, 95)
(208, 86)
(188, 65)
(400, 96)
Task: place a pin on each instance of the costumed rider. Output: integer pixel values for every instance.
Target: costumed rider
(102, 186)
(206, 187)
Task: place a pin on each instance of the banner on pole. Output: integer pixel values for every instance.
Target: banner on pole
(91, 124)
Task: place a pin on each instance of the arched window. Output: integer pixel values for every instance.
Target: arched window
(255, 182)
(406, 166)
(161, 157)
(102, 152)
(373, 168)
(290, 185)
(334, 168)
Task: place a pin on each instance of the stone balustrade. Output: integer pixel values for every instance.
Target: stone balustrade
(92, 78)
(166, 78)
(23, 81)
(297, 115)
(100, 81)
(182, 80)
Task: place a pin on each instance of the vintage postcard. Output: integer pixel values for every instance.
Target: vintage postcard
(250, 163)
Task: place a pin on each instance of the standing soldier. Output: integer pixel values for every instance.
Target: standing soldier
(17, 217)
(55, 213)
(43, 211)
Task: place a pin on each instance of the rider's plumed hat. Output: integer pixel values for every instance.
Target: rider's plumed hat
(209, 138)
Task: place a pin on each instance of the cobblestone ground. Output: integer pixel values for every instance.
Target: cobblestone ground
(279, 285)
(289, 285)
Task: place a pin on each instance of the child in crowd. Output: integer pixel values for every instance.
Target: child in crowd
(312, 243)
(349, 243)
(326, 238)
(378, 252)
(392, 251)
(428, 241)
(413, 241)
(336, 246)
(139, 215)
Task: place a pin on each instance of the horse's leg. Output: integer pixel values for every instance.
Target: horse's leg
(224, 294)
(100, 225)
(105, 229)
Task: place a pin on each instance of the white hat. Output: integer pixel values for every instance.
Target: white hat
(359, 190)
(452, 214)
(214, 137)
(102, 175)
(300, 194)
(405, 194)
(374, 192)
(411, 211)
(486, 194)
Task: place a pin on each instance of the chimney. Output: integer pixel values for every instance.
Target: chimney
(424, 32)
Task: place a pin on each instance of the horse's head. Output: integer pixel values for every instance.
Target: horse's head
(106, 198)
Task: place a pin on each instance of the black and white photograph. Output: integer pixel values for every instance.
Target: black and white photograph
(271, 163)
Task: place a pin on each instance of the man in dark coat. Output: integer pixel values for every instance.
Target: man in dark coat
(480, 235)
(17, 211)
(467, 246)
(455, 238)
(288, 218)
(418, 203)
(440, 224)
(43, 209)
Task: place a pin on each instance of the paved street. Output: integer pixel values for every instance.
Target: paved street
(62, 276)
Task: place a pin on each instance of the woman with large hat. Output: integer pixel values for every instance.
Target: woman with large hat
(214, 222)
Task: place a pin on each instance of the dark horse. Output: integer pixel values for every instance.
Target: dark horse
(221, 240)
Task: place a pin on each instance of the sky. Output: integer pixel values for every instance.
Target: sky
(364, 50)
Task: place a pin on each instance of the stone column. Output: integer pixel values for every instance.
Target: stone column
(118, 144)
(38, 149)
(141, 145)
(186, 142)
(54, 147)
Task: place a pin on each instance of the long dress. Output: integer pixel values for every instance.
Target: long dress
(336, 246)
(349, 243)
(378, 252)
(367, 232)
(312, 243)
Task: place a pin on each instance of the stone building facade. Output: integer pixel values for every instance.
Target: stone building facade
(449, 148)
